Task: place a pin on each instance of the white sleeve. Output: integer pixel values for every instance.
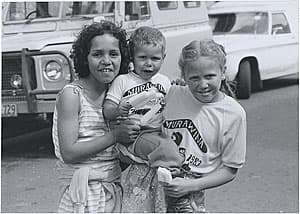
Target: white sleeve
(234, 141)
(116, 90)
(166, 83)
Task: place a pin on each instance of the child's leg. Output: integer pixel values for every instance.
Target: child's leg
(158, 150)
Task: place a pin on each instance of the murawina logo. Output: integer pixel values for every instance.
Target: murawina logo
(190, 126)
(146, 86)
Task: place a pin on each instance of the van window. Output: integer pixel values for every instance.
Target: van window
(87, 8)
(167, 5)
(191, 4)
(280, 24)
(239, 23)
(35, 10)
(136, 10)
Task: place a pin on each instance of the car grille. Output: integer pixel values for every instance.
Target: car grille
(12, 65)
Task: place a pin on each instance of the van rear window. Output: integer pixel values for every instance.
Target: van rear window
(167, 5)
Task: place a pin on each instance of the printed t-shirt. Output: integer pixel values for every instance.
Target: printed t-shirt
(126, 86)
(207, 134)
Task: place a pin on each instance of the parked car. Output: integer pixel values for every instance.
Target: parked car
(260, 38)
(37, 38)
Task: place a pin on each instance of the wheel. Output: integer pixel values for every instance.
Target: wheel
(243, 89)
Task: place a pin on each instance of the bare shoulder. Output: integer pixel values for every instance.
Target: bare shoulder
(69, 98)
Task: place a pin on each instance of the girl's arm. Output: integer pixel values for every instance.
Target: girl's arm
(112, 110)
(179, 186)
(68, 124)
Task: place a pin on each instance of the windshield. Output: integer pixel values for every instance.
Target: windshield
(19, 11)
(239, 23)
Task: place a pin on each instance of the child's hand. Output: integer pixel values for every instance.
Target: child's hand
(125, 131)
(124, 108)
(179, 187)
(180, 82)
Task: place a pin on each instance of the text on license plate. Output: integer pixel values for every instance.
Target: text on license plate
(9, 110)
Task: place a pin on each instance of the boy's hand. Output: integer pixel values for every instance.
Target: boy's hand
(124, 108)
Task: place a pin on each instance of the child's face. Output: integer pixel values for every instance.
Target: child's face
(104, 58)
(204, 78)
(147, 60)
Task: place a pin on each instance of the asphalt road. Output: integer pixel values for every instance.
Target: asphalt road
(268, 182)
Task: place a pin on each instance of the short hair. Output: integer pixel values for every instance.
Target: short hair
(82, 45)
(146, 36)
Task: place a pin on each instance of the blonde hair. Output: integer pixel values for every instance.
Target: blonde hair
(146, 36)
(206, 48)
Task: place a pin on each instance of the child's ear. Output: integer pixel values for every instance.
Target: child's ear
(164, 56)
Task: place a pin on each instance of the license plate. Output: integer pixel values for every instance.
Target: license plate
(9, 110)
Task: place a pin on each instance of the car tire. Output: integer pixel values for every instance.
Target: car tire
(243, 88)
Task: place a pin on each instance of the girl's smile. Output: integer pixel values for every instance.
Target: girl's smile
(204, 78)
(104, 58)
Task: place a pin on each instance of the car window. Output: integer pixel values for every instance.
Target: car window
(136, 10)
(191, 4)
(87, 8)
(167, 5)
(34, 10)
(239, 23)
(280, 24)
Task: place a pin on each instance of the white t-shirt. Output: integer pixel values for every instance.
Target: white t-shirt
(129, 85)
(208, 134)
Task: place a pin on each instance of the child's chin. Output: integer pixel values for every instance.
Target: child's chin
(108, 79)
(206, 99)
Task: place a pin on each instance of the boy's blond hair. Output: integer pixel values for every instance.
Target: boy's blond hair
(147, 36)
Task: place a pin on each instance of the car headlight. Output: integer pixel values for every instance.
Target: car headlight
(16, 81)
(53, 70)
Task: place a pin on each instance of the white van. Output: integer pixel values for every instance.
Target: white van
(37, 38)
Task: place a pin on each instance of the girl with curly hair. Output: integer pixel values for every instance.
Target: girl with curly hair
(88, 165)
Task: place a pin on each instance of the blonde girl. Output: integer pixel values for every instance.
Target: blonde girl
(208, 126)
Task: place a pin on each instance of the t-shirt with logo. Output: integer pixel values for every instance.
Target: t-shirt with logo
(208, 134)
(127, 86)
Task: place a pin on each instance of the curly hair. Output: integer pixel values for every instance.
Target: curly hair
(210, 48)
(82, 44)
(146, 36)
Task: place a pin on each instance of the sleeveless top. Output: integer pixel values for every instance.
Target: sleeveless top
(103, 167)
(91, 125)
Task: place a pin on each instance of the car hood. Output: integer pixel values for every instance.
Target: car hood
(234, 43)
(34, 41)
